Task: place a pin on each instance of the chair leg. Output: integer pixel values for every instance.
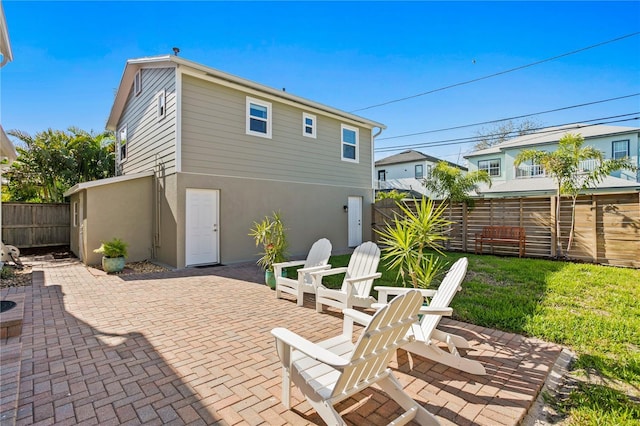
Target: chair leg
(300, 300)
(318, 305)
(327, 412)
(393, 388)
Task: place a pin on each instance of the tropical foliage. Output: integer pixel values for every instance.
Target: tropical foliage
(450, 183)
(410, 240)
(114, 248)
(394, 194)
(52, 161)
(564, 166)
(270, 234)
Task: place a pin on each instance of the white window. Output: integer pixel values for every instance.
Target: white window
(137, 83)
(490, 166)
(419, 171)
(258, 118)
(75, 214)
(122, 143)
(161, 103)
(308, 125)
(349, 138)
(620, 149)
(382, 175)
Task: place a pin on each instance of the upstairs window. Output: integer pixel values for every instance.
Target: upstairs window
(349, 143)
(308, 125)
(382, 175)
(419, 171)
(122, 143)
(490, 166)
(137, 83)
(161, 104)
(620, 149)
(258, 118)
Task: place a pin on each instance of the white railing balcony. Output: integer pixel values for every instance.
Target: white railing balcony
(529, 171)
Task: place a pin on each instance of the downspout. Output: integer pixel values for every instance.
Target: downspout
(373, 162)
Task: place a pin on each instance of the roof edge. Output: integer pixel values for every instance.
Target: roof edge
(108, 181)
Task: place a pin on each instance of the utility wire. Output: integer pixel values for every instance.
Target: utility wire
(458, 141)
(573, 52)
(508, 118)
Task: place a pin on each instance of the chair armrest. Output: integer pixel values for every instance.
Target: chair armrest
(333, 271)
(293, 340)
(363, 278)
(428, 310)
(384, 292)
(314, 268)
(290, 263)
(357, 316)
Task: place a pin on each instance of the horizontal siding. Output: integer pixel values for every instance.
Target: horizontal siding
(150, 141)
(214, 141)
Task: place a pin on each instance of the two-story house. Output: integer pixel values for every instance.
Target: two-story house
(531, 179)
(202, 154)
(406, 171)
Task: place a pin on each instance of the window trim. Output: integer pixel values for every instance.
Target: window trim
(344, 127)
(161, 105)
(305, 116)
(76, 213)
(415, 171)
(488, 169)
(382, 172)
(137, 83)
(122, 159)
(627, 150)
(268, 120)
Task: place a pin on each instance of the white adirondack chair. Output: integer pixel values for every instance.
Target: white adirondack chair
(425, 332)
(357, 283)
(335, 369)
(316, 260)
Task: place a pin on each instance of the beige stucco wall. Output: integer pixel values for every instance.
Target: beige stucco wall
(122, 210)
(310, 212)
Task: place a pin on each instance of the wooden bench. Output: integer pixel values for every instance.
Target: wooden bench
(509, 235)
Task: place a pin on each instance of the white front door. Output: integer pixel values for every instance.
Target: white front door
(355, 221)
(201, 233)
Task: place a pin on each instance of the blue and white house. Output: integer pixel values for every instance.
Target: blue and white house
(531, 179)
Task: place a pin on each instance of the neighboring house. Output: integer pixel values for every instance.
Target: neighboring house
(531, 179)
(210, 153)
(7, 150)
(406, 171)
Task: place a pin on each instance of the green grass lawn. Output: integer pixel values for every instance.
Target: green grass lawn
(592, 309)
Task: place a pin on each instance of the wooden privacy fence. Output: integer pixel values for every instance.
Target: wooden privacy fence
(607, 226)
(35, 225)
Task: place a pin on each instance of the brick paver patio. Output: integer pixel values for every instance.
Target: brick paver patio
(194, 347)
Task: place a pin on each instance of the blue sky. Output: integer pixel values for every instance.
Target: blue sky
(69, 57)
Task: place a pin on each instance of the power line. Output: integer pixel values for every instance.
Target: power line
(458, 141)
(508, 118)
(573, 52)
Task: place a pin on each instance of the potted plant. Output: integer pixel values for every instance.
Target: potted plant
(113, 255)
(270, 234)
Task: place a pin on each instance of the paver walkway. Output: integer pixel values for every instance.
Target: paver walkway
(194, 347)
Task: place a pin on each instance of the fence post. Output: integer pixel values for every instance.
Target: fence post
(594, 209)
(464, 226)
(552, 223)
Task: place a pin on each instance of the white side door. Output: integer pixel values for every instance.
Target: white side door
(201, 233)
(355, 221)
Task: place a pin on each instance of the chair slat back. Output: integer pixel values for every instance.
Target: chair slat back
(447, 289)
(376, 345)
(319, 255)
(363, 261)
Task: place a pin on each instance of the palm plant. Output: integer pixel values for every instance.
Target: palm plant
(270, 233)
(450, 183)
(410, 240)
(563, 165)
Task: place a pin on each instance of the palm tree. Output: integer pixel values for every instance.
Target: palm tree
(450, 183)
(564, 166)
